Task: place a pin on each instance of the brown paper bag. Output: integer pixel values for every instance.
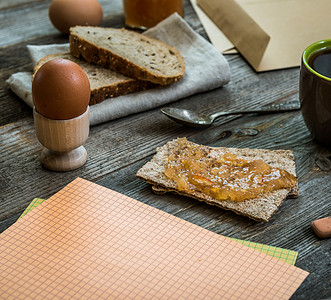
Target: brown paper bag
(271, 34)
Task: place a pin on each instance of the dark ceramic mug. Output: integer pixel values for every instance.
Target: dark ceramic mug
(315, 93)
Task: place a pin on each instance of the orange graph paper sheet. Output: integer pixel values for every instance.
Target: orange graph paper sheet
(88, 241)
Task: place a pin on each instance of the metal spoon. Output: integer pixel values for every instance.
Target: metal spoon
(193, 119)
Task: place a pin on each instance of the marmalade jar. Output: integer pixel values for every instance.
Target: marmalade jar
(143, 14)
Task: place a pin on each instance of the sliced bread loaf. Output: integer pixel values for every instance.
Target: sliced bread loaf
(127, 52)
(104, 83)
(260, 208)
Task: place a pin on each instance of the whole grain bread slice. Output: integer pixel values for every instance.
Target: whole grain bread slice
(104, 83)
(128, 52)
(260, 208)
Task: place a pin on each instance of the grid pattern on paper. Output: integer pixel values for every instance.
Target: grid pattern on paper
(90, 242)
(285, 255)
(34, 203)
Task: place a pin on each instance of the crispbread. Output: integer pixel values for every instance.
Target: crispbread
(128, 52)
(260, 208)
(104, 83)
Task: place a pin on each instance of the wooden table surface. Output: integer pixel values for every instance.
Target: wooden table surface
(117, 149)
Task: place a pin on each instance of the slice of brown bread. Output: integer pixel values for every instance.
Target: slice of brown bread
(127, 52)
(104, 83)
(259, 209)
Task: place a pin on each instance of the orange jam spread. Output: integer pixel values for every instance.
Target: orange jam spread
(226, 177)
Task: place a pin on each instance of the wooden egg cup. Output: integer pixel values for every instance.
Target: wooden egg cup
(63, 140)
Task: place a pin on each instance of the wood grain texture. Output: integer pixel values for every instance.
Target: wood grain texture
(63, 141)
(117, 149)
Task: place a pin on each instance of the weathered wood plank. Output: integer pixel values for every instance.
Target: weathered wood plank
(22, 20)
(10, 4)
(119, 148)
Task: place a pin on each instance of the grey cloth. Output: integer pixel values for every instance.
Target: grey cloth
(206, 69)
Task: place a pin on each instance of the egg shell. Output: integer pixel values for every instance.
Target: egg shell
(60, 90)
(68, 13)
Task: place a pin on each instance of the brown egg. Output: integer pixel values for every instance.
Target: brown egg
(67, 13)
(60, 90)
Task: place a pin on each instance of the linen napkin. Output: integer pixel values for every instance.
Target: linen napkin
(206, 69)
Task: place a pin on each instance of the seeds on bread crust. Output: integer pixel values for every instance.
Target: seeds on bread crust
(127, 52)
